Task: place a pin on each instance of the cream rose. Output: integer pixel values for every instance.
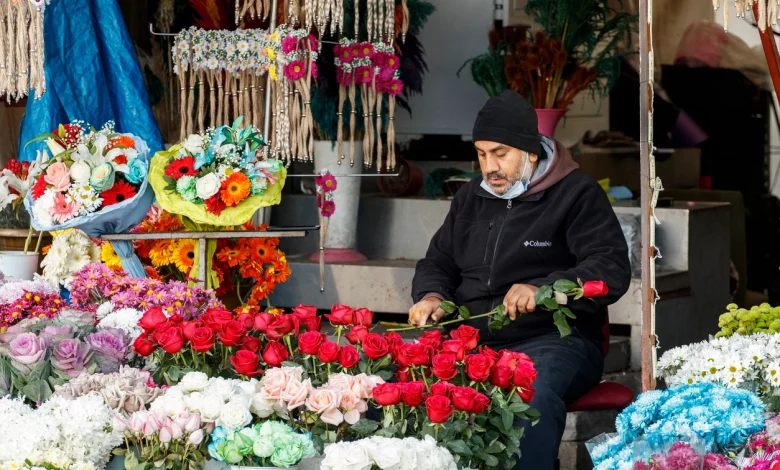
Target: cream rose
(296, 392)
(207, 186)
(234, 416)
(80, 172)
(194, 382)
(353, 406)
(324, 402)
(211, 408)
(274, 383)
(261, 407)
(363, 385)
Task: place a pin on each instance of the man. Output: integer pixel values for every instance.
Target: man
(532, 218)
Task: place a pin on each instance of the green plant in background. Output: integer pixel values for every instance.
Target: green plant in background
(759, 319)
(487, 70)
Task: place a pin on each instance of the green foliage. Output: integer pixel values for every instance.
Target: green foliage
(487, 70)
(759, 319)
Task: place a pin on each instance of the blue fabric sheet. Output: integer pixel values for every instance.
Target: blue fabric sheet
(92, 74)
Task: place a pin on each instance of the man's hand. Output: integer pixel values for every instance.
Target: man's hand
(428, 307)
(520, 299)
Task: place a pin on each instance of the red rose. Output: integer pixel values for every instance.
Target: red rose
(280, 326)
(463, 397)
(202, 339)
(275, 353)
(594, 289)
(160, 330)
(478, 367)
(143, 345)
(394, 340)
(363, 317)
(250, 343)
(468, 335)
(356, 334)
(444, 366)
(439, 409)
(214, 318)
(248, 320)
(189, 327)
(245, 363)
(454, 347)
(374, 346)
(492, 354)
(403, 375)
(412, 393)
(172, 340)
(176, 318)
(527, 394)
(348, 357)
(329, 352)
(307, 317)
(413, 354)
(442, 388)
(511, 359)
(387, 394)
(501, 376)
(262, 320)
(432, 339)
(312, 323)
(524, 375)
(305, 311)
(480, 404)
(340, 315)
(232, 333)
(152, 318)
(309, 342)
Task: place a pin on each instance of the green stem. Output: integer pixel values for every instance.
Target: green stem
(289, 346)
(314, 367)
(268, 302)
(436, 432)
(422, 373)
(27, 242)
(238, 292)
(437, 325)
(38, 245)
(514, 389)
(338, 335)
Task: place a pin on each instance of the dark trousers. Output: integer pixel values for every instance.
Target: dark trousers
(566, 368)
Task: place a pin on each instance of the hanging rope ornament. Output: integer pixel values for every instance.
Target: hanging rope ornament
(21, 48)
(326, 185)
(767, 11)
(251, 10)
(386, 84)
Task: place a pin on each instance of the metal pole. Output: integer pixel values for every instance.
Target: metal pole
(648, 182)
(202, 254)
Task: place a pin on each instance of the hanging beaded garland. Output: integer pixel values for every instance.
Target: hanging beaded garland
(767, 11)
(21, 48)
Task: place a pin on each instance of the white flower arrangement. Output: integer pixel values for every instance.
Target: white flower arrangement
(75, 434)
(125, 319)
(388, 453)
(69, 253)
(747, 362)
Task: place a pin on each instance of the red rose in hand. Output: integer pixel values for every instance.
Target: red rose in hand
(250, 343)
(444, 366)
(280, 326)
(363, 317)
(329, 352)
(262, 320)
(468, 335)
(527, 394)
(433, 339)
(403, 375)
(202, 339)
(152, 318)
(340, 315)
(387, 394)
(442, 388)
(172, 340)
(143, 345)
(245, 363)
(248, 320)
(492, 354)
(348, 356)
(463, 397)
(232, 333)
(511, 359)
(501, 376)
(412, 393)
(309, 342)
(454, 347)
(439, 409)
(356, 334)
(478, 367)
(375, 346)
(481, 404)
(275, 353)
(394, 341)
(413, 354)
(594, 289)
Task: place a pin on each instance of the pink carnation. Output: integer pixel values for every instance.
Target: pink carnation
(289, 44)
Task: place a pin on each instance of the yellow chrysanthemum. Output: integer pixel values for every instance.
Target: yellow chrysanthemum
(109, 257)
(184, 255)
(272, 72)
(162, 253)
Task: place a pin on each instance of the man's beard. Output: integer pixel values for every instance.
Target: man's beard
(497, 174)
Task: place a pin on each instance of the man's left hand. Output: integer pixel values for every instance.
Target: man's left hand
(520, 299)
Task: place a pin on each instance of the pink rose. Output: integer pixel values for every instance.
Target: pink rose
(362, 385)
(324, 402)
(296, 392)
(58, 175)
(275, 382)
(339, 381)
(353, 406)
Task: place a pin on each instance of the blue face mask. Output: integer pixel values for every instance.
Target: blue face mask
(516, 190)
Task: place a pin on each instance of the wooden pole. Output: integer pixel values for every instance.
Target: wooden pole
(647, 183)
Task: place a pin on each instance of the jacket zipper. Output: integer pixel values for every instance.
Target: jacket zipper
(498, 238)
(487, 243)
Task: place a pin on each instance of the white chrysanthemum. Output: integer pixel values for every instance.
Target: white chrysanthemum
(42, 209)
(88, 199)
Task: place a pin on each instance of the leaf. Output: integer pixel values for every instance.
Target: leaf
(457, 426)
(495, 448)
(499, 311)
(290, 364)
(544, 292)
(491, 461)
(448, 307)
(564, 285)
(464, 312)
(560, 321)
(550, 304)
(496, 324)
(173, 374)
(507, 418)
(385, 374)
(384, 362)
(518, 407)
(566, 311)
(459, 447)
(365, 426)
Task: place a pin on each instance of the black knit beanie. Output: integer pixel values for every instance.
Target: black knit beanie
(510, 120)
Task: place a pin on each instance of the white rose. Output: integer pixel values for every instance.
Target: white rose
(80, 172)
(234, 416)
(174, 406)
(211, 408)
(261, 407)
(193, 401)
(335, 455)
(386, 457)
(561, 298)
(221, 387)
(193, 143)
(358, 459)
(207, 186)
(194, 382)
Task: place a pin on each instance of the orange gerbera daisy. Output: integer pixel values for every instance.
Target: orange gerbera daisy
(235, 189)
(121, 141)
(279, 271)
(262, 290)
(260, 251)
(184, 255)
(162, 252)
(233, 256)
(251, 269)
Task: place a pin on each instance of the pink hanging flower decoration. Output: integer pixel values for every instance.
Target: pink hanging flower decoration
(395, 87)
(392, 62)
(366, 50)
(314, 70)
(326, 182)
(295, 70)
(313, 43)
(289, 44)
(364, 74)
(328, 208)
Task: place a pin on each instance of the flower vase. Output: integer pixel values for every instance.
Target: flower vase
(548, 120)
(18, 264)
(341, 237)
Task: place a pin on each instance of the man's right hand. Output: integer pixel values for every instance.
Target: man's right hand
(429, 307)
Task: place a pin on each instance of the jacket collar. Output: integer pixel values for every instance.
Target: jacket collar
(479, 191)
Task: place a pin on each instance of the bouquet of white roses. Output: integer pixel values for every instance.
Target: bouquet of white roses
(388, 453)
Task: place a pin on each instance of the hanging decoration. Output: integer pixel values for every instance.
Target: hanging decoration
(380, 21)
(21, 48)
(767, 11)
(326, 185)
(251, 9)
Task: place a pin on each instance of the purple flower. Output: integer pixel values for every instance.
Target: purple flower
(53, 333)
(27, 350)
(109, 346)
(71, 357)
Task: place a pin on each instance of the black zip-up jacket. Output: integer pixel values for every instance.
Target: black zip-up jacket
(486, 244)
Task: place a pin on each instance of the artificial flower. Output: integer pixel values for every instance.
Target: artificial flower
(119, 192)
(235, 189)
(137, 170)
(181, 167)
